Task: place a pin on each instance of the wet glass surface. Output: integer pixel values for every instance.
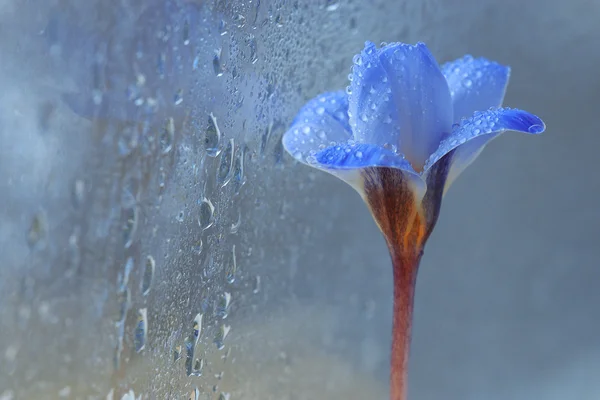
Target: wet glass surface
(155, 240)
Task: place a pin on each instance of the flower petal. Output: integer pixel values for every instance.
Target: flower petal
(320, 122)
(360, 155)
(475, 84)
(351, 161)
(477, 131)
(399, 97)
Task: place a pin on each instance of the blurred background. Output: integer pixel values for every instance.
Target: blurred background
(156, 241)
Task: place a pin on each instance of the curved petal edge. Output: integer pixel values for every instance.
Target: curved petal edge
(490, 122)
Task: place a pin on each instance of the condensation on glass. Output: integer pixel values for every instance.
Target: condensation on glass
(155, 241)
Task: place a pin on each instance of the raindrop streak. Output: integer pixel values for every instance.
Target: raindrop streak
(231, 268)
(223, 308)
(217, 67)
(256, 289)
(167, 136)
(148, 276)
(129, 264)
(141, 330)
(213, 137)
(235, 227)
(190, 344)
(205, 219)
(197, 326)
(186, 33)
(130, 225)
(38, 229)
(194, 395)
(251, 41)
(238, 169)
(226, 165)
(124, 300)
(221, 336)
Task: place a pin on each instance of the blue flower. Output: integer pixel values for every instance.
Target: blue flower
(401, 133)
(403, 115)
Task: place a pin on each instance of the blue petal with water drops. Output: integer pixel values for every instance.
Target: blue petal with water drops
(398, 96)
(475, 84)
(491, 122)
(321, 122)
(360, 155)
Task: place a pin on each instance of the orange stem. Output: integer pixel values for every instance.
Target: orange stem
(405, 272)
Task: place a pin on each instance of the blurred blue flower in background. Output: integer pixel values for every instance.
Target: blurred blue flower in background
(401, 133)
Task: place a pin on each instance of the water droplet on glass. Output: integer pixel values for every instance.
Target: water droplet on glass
(131, 215)
(38, 229)
(178, 97)
(148, 276)
(190, 343)
(256, 288)
(198, 367)
(124, 301)
(223, 307)
(231, 268)
(213, 137)
(205, 217)
(160, 65)
(167, 136)
(217, 67)
(197, 327)
(226, 164)
(78, 194)
(251, 41)
(197, 246)
(238, 168)
(186, 33)
(468, 83)
(177, 353)
(141, 330)
(194, 395)
(236, 225)
(221, 336)
(129, 264)
(223, 27)
(240, 20)
(332, 5)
